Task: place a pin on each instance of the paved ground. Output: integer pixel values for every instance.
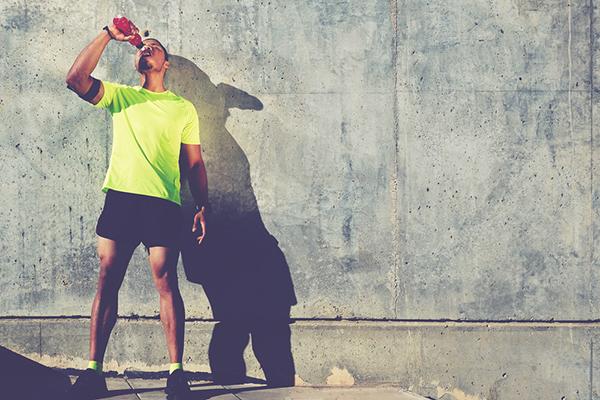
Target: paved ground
(125, 388)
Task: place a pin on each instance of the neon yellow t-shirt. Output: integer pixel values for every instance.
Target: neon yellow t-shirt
(148, 130)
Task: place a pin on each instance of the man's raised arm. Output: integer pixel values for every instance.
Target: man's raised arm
(79, 77)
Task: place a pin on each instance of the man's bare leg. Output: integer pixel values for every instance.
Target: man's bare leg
(114, 258)
(163, 262)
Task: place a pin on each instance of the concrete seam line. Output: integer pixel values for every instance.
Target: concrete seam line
(362, 322)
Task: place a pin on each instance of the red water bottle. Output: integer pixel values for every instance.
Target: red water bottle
(124, 25)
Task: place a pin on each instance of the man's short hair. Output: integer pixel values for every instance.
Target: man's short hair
(161, 45)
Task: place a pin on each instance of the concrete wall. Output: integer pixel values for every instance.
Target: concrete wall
(415, 160)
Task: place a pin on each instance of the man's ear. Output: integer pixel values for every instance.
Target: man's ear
(166, 65)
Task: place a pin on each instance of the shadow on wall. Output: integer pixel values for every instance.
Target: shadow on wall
(243, 271)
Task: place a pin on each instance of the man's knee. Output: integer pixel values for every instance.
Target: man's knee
(107, 261)
(163, 263)
(113, 255)
(165, 283)
(112, 271)
(163, 275)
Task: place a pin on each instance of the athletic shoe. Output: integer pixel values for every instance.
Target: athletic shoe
(178, 387)
(89, 385)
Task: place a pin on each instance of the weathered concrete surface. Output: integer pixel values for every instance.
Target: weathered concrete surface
(415, 160)
(124, 388)
(326, 393)
(323, 141)
(498, 201)
(464, 360)
(403, 150)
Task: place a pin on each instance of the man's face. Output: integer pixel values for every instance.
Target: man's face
(150, 57)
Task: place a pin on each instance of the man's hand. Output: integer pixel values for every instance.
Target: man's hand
(200, 218)
(120, 36)
(79, 77)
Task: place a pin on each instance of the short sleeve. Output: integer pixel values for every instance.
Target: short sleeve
(110, 89)
(191, 131)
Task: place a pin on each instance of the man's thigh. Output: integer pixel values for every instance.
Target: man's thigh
(120, 218)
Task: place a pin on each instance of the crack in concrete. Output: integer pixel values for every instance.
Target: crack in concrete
(591, 72)
(592, 368)
(395, 211)
(132, 388)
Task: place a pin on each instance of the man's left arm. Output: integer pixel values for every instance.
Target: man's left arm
(193, 164)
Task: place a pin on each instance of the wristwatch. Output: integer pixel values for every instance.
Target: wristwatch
(206, 209)
(108, 31)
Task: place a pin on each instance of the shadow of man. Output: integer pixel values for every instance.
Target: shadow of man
(243, 271)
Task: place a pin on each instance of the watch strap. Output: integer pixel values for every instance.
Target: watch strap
(108, 31)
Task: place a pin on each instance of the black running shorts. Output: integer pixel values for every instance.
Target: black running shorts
(134, 218)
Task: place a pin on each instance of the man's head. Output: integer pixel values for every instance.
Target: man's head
(153, 56)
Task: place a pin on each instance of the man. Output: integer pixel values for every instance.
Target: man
(154, 133)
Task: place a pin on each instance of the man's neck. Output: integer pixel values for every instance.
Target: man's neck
(152, 82)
